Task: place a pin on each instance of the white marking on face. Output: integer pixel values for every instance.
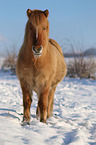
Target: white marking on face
(36, 33)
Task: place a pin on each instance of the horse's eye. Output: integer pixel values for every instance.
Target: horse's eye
(44, 28)
(30, 28)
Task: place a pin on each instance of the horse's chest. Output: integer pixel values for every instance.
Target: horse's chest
(38, 81)
(37, 77)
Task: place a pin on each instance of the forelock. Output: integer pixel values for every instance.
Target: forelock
(37, 17)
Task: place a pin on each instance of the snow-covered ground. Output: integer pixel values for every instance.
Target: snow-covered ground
(73, 121)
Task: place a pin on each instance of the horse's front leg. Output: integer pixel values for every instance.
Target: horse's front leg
(43, 102)
(27, 92)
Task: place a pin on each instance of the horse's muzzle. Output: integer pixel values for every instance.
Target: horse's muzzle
(37, 51)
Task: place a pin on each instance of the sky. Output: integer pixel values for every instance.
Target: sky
(71, 21)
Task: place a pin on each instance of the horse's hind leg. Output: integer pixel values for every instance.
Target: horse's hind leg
(50, 102)
(27, 92)
(38, 112)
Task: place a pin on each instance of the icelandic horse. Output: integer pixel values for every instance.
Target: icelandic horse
(40, 65)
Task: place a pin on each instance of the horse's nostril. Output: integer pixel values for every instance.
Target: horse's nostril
(33, 48)
(39, 48)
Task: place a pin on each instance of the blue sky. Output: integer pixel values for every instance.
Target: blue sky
(70, 21)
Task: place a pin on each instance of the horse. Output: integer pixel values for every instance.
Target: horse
(40, 65)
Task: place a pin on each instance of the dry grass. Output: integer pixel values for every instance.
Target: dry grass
(10, 59)
(81, 66)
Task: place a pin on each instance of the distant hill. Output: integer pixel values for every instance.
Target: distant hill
(88, 52)
(91, 51)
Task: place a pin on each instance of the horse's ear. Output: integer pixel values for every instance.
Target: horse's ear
(46, 13)
(29, 12)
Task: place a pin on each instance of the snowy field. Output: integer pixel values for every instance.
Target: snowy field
(73, 121)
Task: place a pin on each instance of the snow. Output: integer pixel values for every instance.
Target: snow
(73, 121)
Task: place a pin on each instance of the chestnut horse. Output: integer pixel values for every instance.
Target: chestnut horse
(40, 65)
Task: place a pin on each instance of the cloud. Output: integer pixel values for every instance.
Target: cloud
(2, 38)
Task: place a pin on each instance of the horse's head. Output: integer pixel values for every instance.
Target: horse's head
(37, 30)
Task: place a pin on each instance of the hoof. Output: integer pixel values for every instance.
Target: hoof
(42, 120)
(25, 122)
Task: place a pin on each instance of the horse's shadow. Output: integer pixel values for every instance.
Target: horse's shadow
(10, 113)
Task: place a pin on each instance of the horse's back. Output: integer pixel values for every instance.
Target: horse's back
(59, 61)
(56, 45)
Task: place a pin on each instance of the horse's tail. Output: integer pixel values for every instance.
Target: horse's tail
(54, 43)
